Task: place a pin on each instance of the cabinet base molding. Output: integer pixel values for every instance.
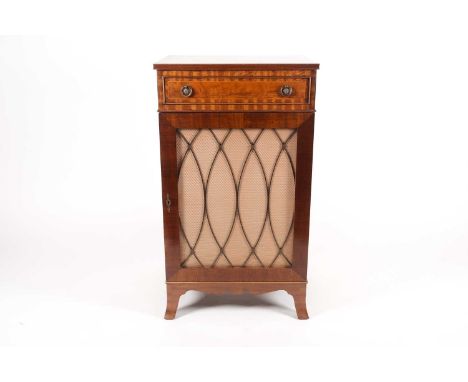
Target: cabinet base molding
(296, 289)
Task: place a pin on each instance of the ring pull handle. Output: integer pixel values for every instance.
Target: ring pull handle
(286, 90)
(186, 90)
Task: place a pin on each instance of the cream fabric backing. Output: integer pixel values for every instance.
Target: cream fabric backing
(220, 228)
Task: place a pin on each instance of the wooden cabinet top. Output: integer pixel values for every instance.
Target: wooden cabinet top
(234, 63)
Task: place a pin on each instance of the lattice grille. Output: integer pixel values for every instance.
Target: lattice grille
(236, 196)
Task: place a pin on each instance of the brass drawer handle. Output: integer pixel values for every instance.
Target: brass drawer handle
(286, 90)
(186, 91)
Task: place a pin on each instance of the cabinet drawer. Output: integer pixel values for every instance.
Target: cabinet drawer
(231, 91)
(237, 91)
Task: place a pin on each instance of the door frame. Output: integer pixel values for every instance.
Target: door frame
(168, 124)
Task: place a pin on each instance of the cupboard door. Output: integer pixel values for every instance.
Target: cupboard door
(230, 190)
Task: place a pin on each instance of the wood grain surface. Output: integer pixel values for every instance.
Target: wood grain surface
(236, 90)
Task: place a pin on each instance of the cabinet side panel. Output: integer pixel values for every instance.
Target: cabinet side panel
(167, 139)
(305, 140)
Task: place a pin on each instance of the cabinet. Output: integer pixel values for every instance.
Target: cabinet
(236, 144)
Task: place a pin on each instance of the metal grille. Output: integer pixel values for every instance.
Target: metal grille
(236, 197)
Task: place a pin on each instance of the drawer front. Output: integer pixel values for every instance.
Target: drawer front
(228, 91)
(241, 91)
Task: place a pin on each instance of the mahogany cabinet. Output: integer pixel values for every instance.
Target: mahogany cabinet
(236, 163)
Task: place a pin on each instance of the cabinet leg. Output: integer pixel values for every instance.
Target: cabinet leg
(173, 296)
(299, 296)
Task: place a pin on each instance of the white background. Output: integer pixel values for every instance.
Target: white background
(81, 251)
